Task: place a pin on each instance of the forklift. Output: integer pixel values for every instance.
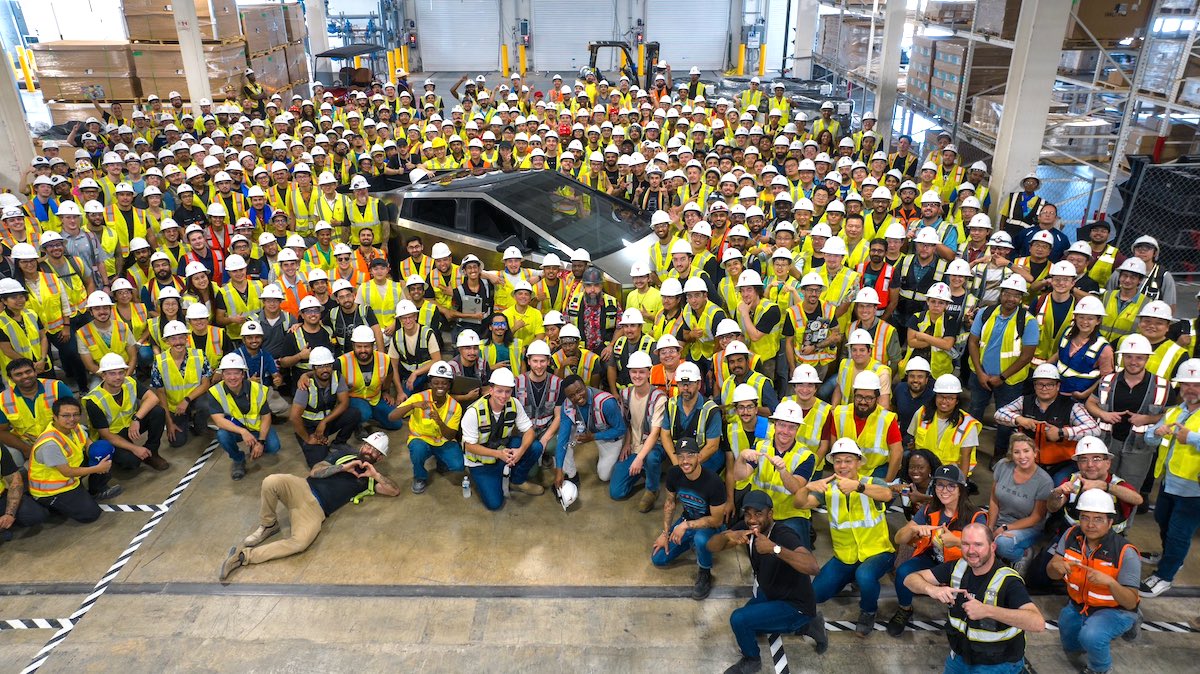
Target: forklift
(631, 65)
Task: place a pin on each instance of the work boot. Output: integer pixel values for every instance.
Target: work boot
(236, 559)
(260, 534)
(647, 501)
(114, 490)
(703, 586)
(528, 488)
(746, 666)
(865, 624)
(238, 471)
(816, 630)
(157, 463)
(899, 621)
(1133, 632)
(419, 486)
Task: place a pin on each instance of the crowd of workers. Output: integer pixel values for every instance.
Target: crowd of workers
(796, 341)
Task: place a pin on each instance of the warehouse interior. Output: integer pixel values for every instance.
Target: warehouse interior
(1099, 99)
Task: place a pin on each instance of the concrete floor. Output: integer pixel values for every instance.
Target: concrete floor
(434, 583)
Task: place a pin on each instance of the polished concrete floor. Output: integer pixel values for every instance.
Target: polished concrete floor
(434, 583)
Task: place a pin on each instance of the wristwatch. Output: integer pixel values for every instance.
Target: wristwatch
(776, 550)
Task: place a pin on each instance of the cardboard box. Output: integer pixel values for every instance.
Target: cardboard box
(949, 13)
(263, 27)
(1079, 61)
(1107, 20)
(82, 89)
(154, 20)
(159, 67)
(77, 70)
(297, 63)
(271, 69)
(293, 20)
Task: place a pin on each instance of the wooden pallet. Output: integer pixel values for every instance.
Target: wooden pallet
(229, 40)
(266, 52)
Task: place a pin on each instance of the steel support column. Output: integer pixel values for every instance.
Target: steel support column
(889, 66)
(804, 18)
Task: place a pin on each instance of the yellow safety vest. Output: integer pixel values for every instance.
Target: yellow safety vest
(24, 337)
(490, 432)
(972, 629)
(236, 306)
(856, 525)
(443, 286)
(177, 382)
(847, 371)
(119, 415)
(872, 440)
(948, 446)
(27, 422)
(940, 362)
(1048, 338)
(46, 301)
(1010, 347)
(212, 348)
(1102, 268)
(1120, 322)
(1185, 459)
(304, 212)
(767, 347)
(250, 418)
(383, 301)
(365, 220)
(356, 380)
(767, 478)
(703, 348)
(47, 480)
(122, 337)
(116, 223)
(1164, 359)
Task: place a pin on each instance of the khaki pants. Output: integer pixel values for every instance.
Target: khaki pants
(306, 515)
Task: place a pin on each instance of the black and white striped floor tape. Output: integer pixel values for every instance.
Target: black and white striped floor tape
(102, 586)
(141, 508)
(34, 623)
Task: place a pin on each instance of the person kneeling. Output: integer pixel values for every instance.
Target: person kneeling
(241, 414)
(498, 442)
(322, 408)
(434, 417)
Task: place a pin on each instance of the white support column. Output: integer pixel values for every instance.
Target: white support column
(195, 68)
(1037, 50)
(15, 142)
(889, 66)
(315, 20)
(804, 18)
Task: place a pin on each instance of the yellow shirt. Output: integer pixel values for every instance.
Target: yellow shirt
(423, 427)
(533, 323)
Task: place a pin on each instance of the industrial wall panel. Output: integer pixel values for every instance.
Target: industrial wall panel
(459, 34)
(562, 29)
(692, 33)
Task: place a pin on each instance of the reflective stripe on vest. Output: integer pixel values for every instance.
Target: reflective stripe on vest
(177, 383)
(119, 415)
(857, 526)
(507, 423)
(250, 418)
(47, 480)
(970, 629)
(356, 382)
(1010, 347)
(312, 411)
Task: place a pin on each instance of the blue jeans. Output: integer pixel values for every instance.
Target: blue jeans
(449, 453)
(904, 596)
(956, 665)
(692, 538)
(378, 413)
(622, 483)
(145, 356)
(1178, 518)
(1003, 395)
(229, 442)
(489, 478)
(763, 616)
(837, 574)
(419, 384)
(716, 462)
(825, 391)
(803, 528)
(1093, 633)
(1012, 544)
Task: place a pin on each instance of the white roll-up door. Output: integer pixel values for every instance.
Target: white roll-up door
(459, 34)
(779, 32)
(692, 33)
(562, 30)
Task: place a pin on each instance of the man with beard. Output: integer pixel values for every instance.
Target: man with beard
(872, 428)
(348, 315)
(595, 313)
(911, 395)
(343, 476)
(321, 415)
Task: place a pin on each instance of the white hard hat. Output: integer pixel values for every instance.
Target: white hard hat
(1063, 268)
(931, 197)
(917, 364)
(121, 284)
(465, 338)
(637, 359)
(805, 374)
(1189, 372)
(174, 328)
(440, 250)
(895, 231)
(553, 317)
(1133, 344)
(112, 361)
(667, 341)
(567, 494)
(362, 334)
(947, 383)
(503, 377)
(536, 348)
(318, 356)
(744, 393)
(271, 292)
(736, 348)
(671, 287)
(695, 285)
(1133, 265)
(197, 311)
(1146, 240)
(252, 328)
(868, 381)
(1045, 371)
(1096, 500)
(1091, 445)
(50, 236)
(881, 193)
(569, 331)
(958, 267)
(1042, 236)
(1000, 239)
(834, 245)
(939, 291)
(235, 262)
(860, 337)
(98, 299)
(687, 371)
(749, 279)
(845, 446)
(866, 296)
(980, 220)
(812, 278)
(1157, 309)
(1016, 283)
(232, 361)
(378, 440)
(822, 229)
(194, 268)
(24, 251)
(1090, 305)
(631, 317)
(927, 235)
(788, 411)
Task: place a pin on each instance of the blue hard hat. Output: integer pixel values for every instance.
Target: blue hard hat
(99, 451)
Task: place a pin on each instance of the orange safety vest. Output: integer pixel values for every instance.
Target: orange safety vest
(1105, 558)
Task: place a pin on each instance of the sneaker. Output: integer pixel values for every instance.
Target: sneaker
(236, 559)
(899, 621)
(703, 585)
(238, 471)
(1151, 557)
(1089, 670)
(157, 462)
(746, 666)
(816, 630)
(1135, 631)
(419, 486)
(528, 488)
(111, 491)
(1022, 565)
(865, 624)
(260, 534)
(647, 501)
(1154, 586)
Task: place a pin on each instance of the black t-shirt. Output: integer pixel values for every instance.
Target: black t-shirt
(200, 341)
(778, 580)
(96, 417)
(1012, 595)
(697, 497)
(1125, 398)
(343, 324)
(291, 345)
(7, 465)
(338, 489)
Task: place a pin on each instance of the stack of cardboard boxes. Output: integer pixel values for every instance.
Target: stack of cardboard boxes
(156, 58)
(949, 13)
(266, 40)
(297, 62)
(1106, 20)
(950, 79)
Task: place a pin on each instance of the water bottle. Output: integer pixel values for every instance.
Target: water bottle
(504, 484)
(466, 487)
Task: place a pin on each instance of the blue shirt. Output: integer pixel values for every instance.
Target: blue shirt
(1057, 249)
(60, 389)
(711, 430)
(612, 415)
(262, 365)
(990, 358)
